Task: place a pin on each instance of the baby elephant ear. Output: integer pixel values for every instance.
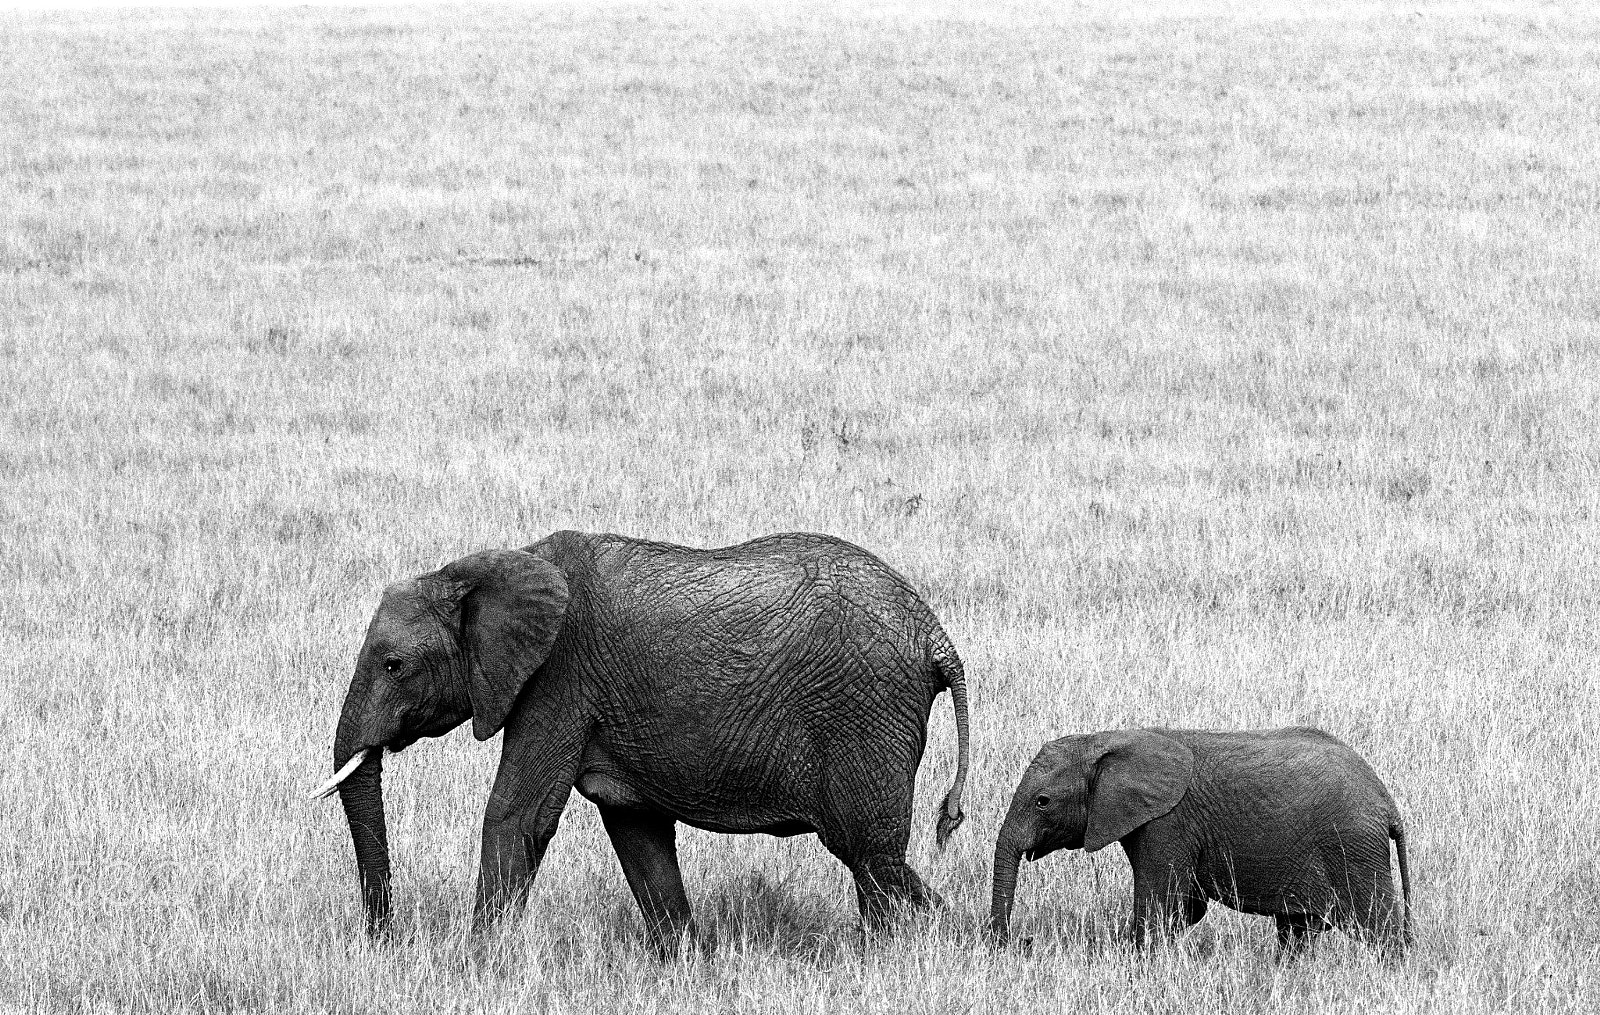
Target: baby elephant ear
(1140, 776)
(512, 605)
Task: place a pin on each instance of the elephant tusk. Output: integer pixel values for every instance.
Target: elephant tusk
(340, 776)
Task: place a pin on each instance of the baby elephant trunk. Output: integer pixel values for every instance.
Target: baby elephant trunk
(1008, 850)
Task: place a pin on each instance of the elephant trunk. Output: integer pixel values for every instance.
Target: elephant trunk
(361, 793)
(1008, 849)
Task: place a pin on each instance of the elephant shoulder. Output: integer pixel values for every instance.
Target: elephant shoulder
(561, 545)
(609, 553)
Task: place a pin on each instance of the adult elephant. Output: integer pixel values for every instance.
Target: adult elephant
(781, 685)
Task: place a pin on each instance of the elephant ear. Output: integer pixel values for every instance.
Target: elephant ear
(511, 607)
(1139, 776)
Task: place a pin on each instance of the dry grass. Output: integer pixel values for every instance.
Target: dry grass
(1207, 372)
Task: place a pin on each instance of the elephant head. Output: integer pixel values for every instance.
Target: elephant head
(454, 644)
(1085, 792)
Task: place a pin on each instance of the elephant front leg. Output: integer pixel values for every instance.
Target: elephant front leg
(1164, 914)
(515, 837)
(1166, 896)
(1154, 915)
(646, 846)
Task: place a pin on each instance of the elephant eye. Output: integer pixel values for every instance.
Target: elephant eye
(1042, 802)
(392, 664)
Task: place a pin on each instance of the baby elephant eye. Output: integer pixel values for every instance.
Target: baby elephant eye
(1042, 802)
(392, 664)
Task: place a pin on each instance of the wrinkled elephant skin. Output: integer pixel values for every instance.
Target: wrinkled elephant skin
(781, 686)
(1288, 823)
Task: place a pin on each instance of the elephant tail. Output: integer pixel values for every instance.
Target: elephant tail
(1397, 832)
(954, 678)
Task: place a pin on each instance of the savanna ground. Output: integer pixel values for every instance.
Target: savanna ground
(1221, 371)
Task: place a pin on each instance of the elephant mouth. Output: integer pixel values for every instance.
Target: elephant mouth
(356, 760)
(327, 787)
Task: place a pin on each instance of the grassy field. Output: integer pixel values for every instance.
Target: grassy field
(1214, 372)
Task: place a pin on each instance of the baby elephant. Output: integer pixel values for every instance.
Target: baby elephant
(1289, 823)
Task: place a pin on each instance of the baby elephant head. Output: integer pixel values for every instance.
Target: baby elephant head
(454, 644)
(1085, 792)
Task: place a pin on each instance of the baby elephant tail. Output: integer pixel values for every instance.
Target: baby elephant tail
(950, 813)
(1397, 832)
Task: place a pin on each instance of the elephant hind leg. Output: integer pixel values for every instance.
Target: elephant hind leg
(646, 845)
(1371, 910)
(866, 823)
(885, 882)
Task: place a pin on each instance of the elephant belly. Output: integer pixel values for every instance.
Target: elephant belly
(1312, 872)
(709, 797)
(783, 828)
(608, 791)
(1269, 885)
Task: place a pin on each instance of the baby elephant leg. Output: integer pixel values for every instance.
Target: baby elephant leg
(1295, 931)
(1167, 897)
(1367, 905)
(1374, 913)
(1165, 903)
(1164, 914)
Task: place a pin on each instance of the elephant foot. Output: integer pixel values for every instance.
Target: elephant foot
(667, 946)
(381, 930)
